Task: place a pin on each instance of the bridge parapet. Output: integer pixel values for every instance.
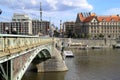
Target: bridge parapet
(10, 44)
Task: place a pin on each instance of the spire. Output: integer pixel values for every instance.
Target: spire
(60, 25)
(40, 11)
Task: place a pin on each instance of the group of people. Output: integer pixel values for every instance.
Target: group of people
(14, 31)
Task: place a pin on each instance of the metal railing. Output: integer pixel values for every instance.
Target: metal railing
(10, 44)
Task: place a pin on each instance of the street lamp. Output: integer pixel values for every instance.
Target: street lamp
(0, 11)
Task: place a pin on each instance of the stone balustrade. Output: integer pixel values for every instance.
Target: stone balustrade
(10, 44)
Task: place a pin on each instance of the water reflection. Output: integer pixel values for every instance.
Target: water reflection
(102, 64)
(44, 76)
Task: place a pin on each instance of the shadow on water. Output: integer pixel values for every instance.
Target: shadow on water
(100, 64)
(31, 75)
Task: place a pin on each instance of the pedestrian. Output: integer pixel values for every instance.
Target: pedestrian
(14, 31)
(6, 31)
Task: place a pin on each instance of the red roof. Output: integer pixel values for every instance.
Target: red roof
(88, 19)
(81, 17)
(99, 18)
(108, 18)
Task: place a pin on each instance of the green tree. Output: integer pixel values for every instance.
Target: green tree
(101, 36)
(82, 35)
(56, 33)
(87, 35)
(109, 36)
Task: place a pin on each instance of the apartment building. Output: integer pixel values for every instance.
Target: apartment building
(69, 27)
(23, 24)
(40, 27)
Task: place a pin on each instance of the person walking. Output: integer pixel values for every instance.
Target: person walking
(14, 31)
(6, 31)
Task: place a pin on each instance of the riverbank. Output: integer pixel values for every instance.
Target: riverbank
(105, 43)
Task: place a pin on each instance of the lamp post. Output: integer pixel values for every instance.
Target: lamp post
(0, 11)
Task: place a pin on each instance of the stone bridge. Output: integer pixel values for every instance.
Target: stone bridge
(18, 51)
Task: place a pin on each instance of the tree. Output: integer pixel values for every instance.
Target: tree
(101, 36)
(75, 35)
(56, 33)
(87, 35)
(69, 33)
(109, 36)
(82, 35)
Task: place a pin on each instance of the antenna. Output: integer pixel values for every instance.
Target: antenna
(40, 11)
(41, 16)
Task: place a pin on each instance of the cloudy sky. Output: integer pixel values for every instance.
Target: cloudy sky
(56, 10)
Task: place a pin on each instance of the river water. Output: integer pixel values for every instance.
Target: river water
(97, 64)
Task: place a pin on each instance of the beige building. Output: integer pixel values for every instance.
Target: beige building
(69, 26)
(97, 26)
(23, 24)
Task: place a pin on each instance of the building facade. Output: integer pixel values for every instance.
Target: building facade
(69, 27)
(23, 24)
(40, 27)
(5, 26)
(98, 26)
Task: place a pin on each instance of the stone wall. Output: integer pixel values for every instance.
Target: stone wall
(56, 63)
(88, 42)
(107, 43)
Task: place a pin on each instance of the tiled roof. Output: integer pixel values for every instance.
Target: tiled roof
(88, 19)
(115, 18)
(81, 17)
(108, 18)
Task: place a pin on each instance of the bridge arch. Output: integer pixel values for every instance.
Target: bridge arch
(42, 52)
(18, 51)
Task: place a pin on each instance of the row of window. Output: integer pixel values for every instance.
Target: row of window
(105, 23)
(105, 27)
(97, 31)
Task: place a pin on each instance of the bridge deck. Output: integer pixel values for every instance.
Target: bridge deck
(11, 44)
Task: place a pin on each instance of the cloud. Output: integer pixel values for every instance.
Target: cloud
(112, 11)
(49, 5)
(83, 4)
(56, 9)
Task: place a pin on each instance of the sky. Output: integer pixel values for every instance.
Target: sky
(56, 10)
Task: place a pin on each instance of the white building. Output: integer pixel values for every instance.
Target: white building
(22, 23)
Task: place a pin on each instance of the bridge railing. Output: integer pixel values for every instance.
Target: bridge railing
(10, 44)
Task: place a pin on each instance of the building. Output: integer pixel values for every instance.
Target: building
(5, 26)
(69, 27)
(23, 24)
(89, 24)
(37, 29)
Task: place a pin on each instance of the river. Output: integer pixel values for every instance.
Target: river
(93, 64)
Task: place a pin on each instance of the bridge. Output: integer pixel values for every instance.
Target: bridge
(17, 52)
